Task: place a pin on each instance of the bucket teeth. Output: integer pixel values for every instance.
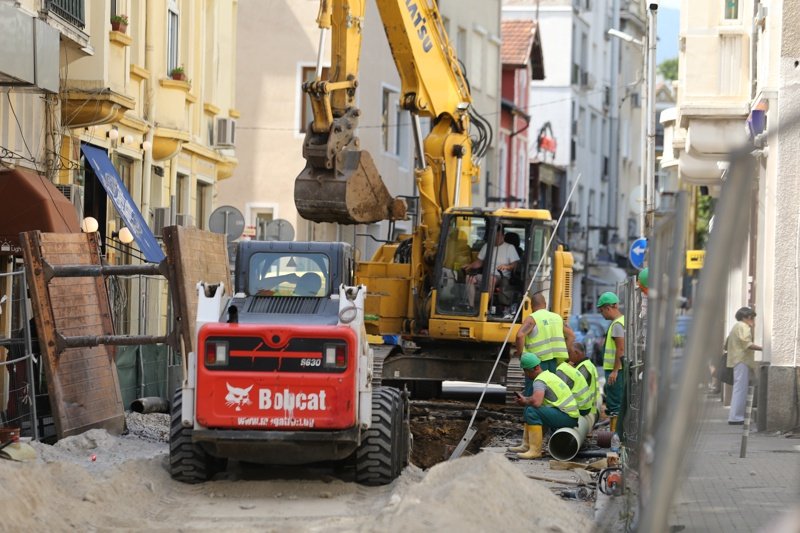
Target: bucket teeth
(351, 193)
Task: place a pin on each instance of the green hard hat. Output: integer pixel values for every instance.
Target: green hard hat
(644, 276)
(607, 298)
(528, 361)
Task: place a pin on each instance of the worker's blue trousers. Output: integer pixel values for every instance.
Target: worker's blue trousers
(548, 416)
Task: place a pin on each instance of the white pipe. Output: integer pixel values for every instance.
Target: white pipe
(565, 443)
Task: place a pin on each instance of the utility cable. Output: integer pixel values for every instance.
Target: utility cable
(519, 310)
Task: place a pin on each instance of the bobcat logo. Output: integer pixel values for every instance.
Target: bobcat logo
(237, 397)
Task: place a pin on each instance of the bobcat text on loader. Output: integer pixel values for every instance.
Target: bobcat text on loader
(282, 372)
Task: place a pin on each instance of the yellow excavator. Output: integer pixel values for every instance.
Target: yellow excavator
(425, 288)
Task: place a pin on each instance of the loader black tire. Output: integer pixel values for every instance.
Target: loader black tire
(383, 453)
(188, 462)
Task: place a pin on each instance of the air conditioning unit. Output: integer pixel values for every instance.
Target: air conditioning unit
(226, 132)
(184, 220)
(73, 193)
(161, 218)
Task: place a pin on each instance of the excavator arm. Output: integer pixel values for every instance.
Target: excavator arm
(340, 182)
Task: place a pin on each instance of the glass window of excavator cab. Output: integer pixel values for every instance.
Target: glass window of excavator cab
(289, 274)
(460, 243)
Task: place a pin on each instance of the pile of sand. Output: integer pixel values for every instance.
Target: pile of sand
(480, 493)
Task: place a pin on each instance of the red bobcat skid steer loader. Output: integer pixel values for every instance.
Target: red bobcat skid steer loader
(282, 372)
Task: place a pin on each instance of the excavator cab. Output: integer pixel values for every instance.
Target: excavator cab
(471, 282)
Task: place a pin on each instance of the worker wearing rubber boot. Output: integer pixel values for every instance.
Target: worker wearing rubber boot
(544, 333)
(584, 365)
(614, 348)
(551, 405)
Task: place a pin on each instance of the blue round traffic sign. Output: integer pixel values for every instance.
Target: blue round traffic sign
(637, 253)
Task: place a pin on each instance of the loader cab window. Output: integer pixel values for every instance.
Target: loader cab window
(289, 275)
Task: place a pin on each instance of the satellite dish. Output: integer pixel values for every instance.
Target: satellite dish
(279, 230)
(228, 221)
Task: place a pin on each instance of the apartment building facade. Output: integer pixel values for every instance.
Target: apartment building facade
(114, 98)
(751, 91)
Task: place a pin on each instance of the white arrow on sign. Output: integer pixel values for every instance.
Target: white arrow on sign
(639, 250)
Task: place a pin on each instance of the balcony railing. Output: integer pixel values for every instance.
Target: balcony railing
(71, 11)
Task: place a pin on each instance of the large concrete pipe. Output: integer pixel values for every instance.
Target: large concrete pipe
(150, 404)
(565, 443)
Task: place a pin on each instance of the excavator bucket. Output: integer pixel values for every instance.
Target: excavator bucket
(350, 193)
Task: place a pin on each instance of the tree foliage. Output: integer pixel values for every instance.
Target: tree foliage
(705, 210)
(669, 69)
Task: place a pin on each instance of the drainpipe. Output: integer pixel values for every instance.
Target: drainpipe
(613, 147)
(149, 110)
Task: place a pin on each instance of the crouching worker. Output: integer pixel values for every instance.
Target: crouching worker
(551, 405)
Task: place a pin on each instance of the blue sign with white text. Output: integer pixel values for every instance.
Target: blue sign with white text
(121, 198)
(637, 253)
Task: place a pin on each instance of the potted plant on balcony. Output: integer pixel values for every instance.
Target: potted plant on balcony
(119, 23)
(178, 74)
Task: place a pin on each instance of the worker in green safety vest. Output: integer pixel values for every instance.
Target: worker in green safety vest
(551, 404)
(578, 385)
(613, 350)
(544, 334)
(586, 367)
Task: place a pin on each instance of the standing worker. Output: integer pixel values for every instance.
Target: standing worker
(742, 359)
(551, 405)
(587, 369)
(613, 350)
(543, 333)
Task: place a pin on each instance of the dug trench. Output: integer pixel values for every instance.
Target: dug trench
(438, 427)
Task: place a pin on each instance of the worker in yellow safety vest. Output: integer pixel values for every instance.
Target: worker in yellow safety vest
(578, 385)
(551, 404)
(544, 334)
(587, 369)
(613, 350)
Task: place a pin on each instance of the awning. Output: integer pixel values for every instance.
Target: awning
(28, 202)
(121, 198)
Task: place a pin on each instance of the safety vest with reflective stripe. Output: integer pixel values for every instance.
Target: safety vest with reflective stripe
(558, 394)
(589, 373)
(549, 339)
(577, 384)
(610, 353)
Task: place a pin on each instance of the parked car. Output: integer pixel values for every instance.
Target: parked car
(590, 329)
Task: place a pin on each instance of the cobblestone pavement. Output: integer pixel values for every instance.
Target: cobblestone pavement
(724, 492)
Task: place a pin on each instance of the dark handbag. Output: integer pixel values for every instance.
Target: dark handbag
(724, 374)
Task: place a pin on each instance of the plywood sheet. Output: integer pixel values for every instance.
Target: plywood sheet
(194, 255)
(82, 382)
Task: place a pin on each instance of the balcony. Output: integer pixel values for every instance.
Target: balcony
(71, 11)
(68, 17)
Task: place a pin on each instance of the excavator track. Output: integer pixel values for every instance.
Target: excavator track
(515, 382)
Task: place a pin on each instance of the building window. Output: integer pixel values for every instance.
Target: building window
(173, 36)
(581, 126)
(306, 114)
(390, 122)
(731, 9)
(263, 218)
(461, 44)
(182, 194)
(402, 135)
(476, 66)
(202, 203)
(492, 69)
(593, 133)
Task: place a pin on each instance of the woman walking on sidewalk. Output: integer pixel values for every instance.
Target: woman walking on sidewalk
(742, 359)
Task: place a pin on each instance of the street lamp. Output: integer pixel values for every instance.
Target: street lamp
(625, 37)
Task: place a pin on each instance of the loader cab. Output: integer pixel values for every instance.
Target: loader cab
(467, 237)
(293, 269)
